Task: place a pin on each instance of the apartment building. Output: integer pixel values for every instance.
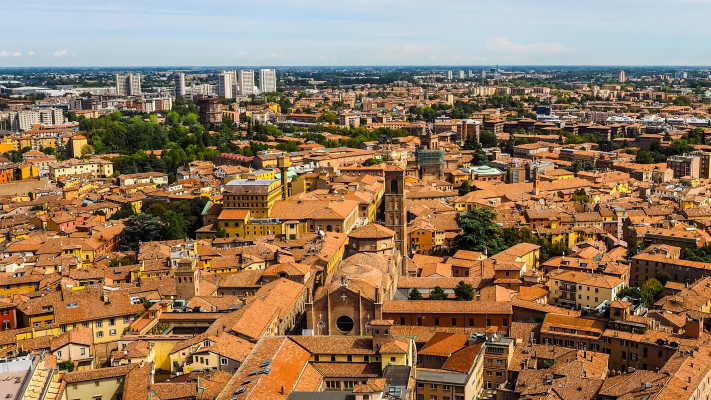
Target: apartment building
(245, 81)
(685, 165)
(128, 84)
(25, 119)
(658, 258)
(92, 167)
(227, 84)
(582, 289)
(267, 80)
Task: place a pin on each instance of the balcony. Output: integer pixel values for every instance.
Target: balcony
(568, 288)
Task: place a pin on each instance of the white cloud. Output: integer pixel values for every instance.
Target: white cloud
(6, 53)
(413, 48)
(503, 45)
(60, 53)
(32, 53)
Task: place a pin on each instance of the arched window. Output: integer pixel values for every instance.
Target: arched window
(394, 186)
(328, 228)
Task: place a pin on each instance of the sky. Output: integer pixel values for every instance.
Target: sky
(65, 33)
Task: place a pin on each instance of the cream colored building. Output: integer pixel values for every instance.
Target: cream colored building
(96, 384)
(93, 167)
(577, 289)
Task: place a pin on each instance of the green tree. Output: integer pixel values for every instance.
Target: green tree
(372, 161)
(556, 249)
(652, 290)
(415, 294)
(221, 232)
(327, 117)
(514, 236)
(663, 277)
(470, 143)
(438, 294)
(682, 101)
(66, 365)
(125, 211)
(429, 114)
(693, 253)
(488, 139)
(480, 158)
(464, 291)
(644, 157)
(117, 262)
(480, 232)
(464, 188)
(141, 228)
(174, 226)
(581, 195)
(582, 165)
(631, 292)
(50, 151)
(87, 150)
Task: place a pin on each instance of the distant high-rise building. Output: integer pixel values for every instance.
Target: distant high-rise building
(483, 76)
(245, 80)
(24, 119)
(450, 75)
(471, 74)
(622, 77)
(681, 74)
(128, 84)
(180, 86)
(227, 83)
(267, 80)
(461, 74)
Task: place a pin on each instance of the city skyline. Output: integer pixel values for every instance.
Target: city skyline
(361, 33)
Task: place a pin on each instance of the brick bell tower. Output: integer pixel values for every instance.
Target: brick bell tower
(394, 206)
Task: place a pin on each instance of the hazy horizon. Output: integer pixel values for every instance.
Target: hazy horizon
(394, 66)
(79, 33)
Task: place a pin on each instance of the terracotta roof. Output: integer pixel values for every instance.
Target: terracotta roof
(446, 307)
(99, 373)
(372, 231)
(288, 361)
(335, 344)
(348, 370)
(444, 344)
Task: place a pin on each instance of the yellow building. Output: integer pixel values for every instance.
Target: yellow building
(7, 145)
(256, 195)
(259, 174)
(528, 253)
(233, 221)
(76, 144)
(10, 285)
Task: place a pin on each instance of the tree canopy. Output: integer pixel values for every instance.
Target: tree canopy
(415, 294)
(481, 233)
(438, 294)
(464, 291)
